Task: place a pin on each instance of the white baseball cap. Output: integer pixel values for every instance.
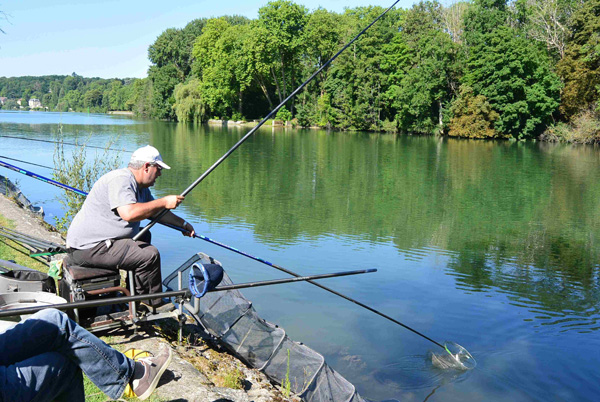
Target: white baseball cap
(148, 154)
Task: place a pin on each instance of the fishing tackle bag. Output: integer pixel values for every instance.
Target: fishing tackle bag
(17, 278)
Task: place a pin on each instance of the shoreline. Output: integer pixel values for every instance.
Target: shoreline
(199, 371)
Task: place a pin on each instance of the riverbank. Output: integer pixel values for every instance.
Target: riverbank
(199, 370)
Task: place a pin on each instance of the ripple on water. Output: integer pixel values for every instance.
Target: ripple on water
(416, 372)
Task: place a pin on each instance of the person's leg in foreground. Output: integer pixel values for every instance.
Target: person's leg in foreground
(43, 356)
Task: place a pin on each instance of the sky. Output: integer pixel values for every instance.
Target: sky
(110, 39)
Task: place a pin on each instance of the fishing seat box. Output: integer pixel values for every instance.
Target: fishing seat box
(17, 278)
(77, 282)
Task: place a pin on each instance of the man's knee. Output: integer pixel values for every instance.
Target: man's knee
(150, 255)
(51, 315)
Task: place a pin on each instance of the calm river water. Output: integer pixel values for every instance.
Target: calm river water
(493, 245)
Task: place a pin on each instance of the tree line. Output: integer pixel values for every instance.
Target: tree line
(478, 69)
(73, 93)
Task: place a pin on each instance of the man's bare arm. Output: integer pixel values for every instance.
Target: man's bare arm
(145, 210)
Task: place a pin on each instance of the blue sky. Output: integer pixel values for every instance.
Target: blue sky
(110, 38)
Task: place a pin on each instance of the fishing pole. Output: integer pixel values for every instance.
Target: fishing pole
(175, 293)
(30, 240)
(65, 143)
(238, 252)
(42, 178)
(287, 271)
(254, 129)
(29, 163)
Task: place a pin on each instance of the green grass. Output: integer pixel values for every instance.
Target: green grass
(93, 393)
(9, 250)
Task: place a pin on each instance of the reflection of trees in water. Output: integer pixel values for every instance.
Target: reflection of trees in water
(558, 279)
(518, 216)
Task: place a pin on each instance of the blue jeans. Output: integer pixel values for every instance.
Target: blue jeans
(41, 359)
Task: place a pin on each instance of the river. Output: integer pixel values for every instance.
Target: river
(493, 245)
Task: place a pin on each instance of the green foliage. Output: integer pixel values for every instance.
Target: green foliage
(286, 385)
(516, 78)
(189, 104)
(283, 114)
(164, 80)
(472, 116)
(403, 74)
(580, 68)
(280, 32)
(73, 92)
(222, 62)
(77, 171)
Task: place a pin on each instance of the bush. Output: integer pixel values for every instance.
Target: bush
(283, 114)
(584, 128)
(472, 116)
(78, 172)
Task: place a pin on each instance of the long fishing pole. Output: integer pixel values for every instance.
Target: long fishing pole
(29, 163)
(62, 142)
(256, 259)
(287, 271)
(176, 293)
(253, 130)
(41, 178)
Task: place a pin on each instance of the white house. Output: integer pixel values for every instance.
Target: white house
(34, 103)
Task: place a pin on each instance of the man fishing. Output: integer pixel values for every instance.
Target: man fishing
(101, 233)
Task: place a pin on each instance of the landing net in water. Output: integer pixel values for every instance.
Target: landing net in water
(454, 357)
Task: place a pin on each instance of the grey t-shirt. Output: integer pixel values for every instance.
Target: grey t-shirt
(98, 219)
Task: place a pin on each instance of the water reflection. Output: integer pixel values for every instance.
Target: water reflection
(493, 244)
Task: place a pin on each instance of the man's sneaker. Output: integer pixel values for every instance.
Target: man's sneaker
(143, 384)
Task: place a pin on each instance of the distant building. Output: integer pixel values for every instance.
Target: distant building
(19, 101)
(34, 103)
(3, 100)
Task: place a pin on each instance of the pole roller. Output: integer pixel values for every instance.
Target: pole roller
(176, 293)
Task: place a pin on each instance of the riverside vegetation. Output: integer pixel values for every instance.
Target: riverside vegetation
(481, 69)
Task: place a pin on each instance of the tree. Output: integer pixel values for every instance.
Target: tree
(428, 77)
(547, 23)
(280, 28)
(515, 76)
(454, 20)
(472, 116)
(72, 100)
(356, 82)
(189, 105)
(164, 79)
(483, 17)
(580, 68)
(224, 66)
(323, 32)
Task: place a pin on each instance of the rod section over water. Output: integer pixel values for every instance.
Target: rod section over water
(267, 117)
(62, 142)
(287, 271)
(176, 293)
(41, 178)
(274, 266)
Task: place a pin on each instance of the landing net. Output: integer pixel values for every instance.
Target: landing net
(454, 357)
(231, 319)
